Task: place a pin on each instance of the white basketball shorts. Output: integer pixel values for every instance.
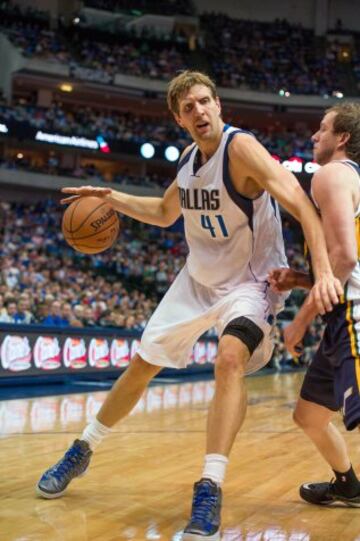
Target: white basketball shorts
(189, 309)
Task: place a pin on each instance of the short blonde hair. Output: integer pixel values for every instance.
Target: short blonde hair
(347, 120)
(182, 83)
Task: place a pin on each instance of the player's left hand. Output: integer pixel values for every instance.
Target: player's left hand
(326, 292)
(293, 335)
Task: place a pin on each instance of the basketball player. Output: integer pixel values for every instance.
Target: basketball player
(332, 381)
(225, 189)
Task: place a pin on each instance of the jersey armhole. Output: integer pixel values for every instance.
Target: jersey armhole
(244, 203)
(185, 157)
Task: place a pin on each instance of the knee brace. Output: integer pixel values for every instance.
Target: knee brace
(245, 330)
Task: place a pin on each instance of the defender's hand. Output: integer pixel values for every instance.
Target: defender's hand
(282, 279)
(83, 191)
(326, 293)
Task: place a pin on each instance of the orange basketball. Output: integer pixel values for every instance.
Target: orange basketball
(90, 225)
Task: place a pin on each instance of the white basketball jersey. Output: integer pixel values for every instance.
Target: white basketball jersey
(231, 239)
(352, 286)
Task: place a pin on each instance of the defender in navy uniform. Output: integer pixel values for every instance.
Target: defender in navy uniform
(225, 188)
(332, 381)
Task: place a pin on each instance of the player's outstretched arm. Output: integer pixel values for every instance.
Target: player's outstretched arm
(251, 158)
(161, 211)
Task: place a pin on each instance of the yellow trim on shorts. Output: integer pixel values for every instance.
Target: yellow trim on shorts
(353, 341)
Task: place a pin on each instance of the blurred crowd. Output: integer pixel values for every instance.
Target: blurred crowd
(271, 57)
(89, 122)
(86, 171)
(114, 125)
(43, 281)
(129, 52)
(264, 56)
(282, 360)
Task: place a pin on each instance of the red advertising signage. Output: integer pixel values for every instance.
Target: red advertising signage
(33, 352)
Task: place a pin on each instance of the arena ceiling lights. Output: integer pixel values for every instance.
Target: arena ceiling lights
(147, 150)
(170, 153)
(66, 87)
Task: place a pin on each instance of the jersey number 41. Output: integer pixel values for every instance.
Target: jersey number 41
(206, 223)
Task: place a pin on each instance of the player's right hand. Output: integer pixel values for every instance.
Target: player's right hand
(282, 279)
(83, 191)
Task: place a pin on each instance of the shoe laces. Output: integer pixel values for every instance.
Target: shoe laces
(204, 503)
(73, 457)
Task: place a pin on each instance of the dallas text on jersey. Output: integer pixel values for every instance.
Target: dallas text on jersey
(199, 199)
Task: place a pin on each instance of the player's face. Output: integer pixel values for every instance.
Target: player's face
(325, 140)
(199, 114)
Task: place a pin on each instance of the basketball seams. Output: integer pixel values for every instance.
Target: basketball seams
(71, 209)
(72, 214)
(95, 249)
(87, 216)
(116, 221)
(80, 247)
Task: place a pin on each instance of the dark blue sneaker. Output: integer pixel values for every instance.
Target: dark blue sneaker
(204, 524)
(74, 463)
(327, 494)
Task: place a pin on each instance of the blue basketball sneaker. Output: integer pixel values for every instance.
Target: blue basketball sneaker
(204, 524)
(74, 463)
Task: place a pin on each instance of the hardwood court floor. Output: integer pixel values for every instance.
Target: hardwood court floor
(140, 484)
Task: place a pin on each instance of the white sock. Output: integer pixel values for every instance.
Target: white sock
(94, 433)
(215, 468)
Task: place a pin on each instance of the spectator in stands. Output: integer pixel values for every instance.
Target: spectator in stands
(23, 315)
(2, 307)
(131, 324)
(8, 316)
(55, 317)
(88, 318)
(67, 314)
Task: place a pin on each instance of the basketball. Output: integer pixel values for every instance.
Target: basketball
(90, 225)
